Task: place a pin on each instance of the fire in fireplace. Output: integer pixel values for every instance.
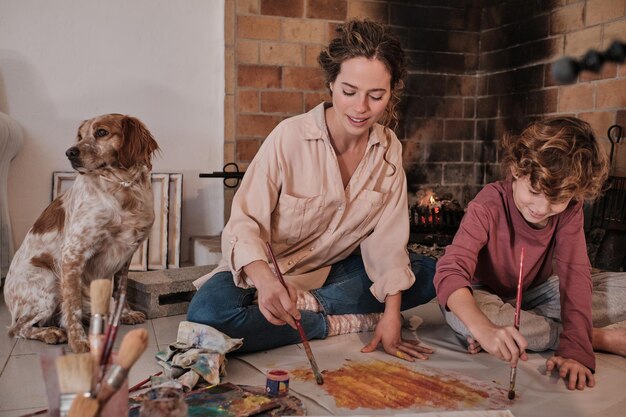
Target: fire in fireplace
(434, 220)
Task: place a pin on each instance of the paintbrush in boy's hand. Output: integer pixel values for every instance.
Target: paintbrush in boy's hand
(518, 308)
(305, 342)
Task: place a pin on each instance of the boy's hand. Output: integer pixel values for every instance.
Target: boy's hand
(503, 342)
(575, 374)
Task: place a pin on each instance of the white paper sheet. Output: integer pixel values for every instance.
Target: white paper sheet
(537, 394)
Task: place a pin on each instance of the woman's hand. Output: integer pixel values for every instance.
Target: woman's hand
(575, 374)
(277, 304)
(389, 333)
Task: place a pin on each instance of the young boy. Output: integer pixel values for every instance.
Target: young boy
(551, 168)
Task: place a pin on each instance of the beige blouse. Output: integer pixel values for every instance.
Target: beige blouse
(293, 196)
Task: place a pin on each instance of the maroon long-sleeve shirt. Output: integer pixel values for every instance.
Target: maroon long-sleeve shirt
(486, 250)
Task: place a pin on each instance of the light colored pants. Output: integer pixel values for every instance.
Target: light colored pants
(540, 318)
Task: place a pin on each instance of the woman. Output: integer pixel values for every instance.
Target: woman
(327, 189)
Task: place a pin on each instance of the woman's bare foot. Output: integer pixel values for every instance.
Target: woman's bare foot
(610, 340)
(473, 346)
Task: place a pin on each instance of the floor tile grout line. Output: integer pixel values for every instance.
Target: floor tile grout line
(4, 365)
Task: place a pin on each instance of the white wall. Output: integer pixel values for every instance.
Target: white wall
(162, 61)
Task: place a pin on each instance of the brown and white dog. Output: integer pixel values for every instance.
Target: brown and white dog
(89, 232)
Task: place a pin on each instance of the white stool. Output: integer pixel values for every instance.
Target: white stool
(11, 137)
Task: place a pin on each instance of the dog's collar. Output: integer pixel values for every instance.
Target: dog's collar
(123, 183)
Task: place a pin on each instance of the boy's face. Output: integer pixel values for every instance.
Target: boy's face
(533, 205)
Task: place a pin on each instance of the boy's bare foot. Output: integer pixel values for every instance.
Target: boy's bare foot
(610, 340)
(473, 346)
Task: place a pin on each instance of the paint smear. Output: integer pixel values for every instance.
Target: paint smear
(379, 384)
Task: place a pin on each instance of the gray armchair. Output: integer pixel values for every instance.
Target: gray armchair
(11, 136)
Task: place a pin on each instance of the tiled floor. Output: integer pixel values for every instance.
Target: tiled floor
(21, 385)
(22, 389)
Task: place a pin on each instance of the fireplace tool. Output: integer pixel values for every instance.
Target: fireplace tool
(609, 212)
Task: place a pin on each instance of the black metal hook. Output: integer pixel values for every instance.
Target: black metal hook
(615, 135)
(235, 176)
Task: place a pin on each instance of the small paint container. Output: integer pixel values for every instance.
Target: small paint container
(277, 383)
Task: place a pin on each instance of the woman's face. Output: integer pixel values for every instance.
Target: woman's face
(360, 94)
(533, 205)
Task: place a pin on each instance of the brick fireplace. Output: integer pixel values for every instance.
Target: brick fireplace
(476, 69)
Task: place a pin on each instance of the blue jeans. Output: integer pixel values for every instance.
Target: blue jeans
(231, 310)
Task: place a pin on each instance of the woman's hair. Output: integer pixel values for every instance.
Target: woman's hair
(366, 38)
(561, 157)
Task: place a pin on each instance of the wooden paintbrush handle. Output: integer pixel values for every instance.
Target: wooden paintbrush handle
(108, 345)
(301, 331)
(518, 298)
(276, 268)
(111, 383)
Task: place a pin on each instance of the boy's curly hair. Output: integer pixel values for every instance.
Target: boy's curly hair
(561, 157)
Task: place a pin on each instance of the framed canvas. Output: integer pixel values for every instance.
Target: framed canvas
(174, 220)
(61, 182)
(157, 240)
(162, 248)
(139, 261)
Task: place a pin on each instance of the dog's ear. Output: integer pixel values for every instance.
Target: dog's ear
(138, 144)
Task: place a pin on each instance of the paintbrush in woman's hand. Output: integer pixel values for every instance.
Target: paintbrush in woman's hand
(305, 342)
(518, 308)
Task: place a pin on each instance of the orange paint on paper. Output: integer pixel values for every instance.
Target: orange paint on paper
(378, 384)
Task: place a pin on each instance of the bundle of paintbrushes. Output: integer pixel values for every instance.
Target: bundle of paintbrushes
(89, 403)
(88, 381)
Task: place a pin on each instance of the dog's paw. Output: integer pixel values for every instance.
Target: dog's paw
(132, 317)
(78, 339)
(80, 345)
(53, 335)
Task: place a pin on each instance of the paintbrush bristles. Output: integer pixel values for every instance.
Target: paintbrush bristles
(100, 293)
(133, 345)
(84, 407)
(75, 372)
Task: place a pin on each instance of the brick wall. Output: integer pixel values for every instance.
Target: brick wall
(476, 69)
